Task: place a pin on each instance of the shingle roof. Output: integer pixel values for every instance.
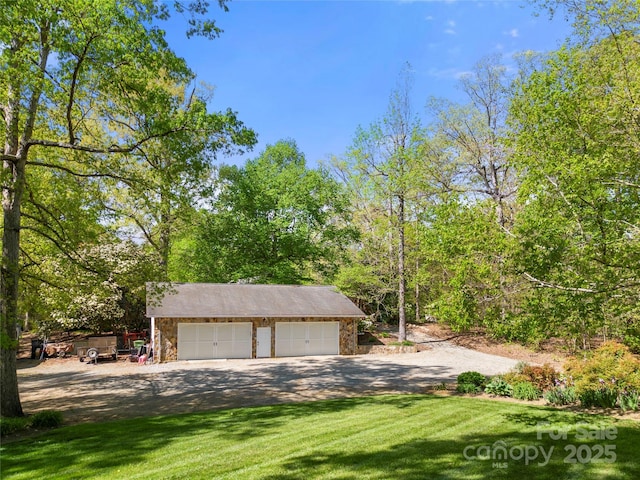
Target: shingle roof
(197, 300)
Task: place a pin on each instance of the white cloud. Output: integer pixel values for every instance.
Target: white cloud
(429, 17)
(447, 73)
(450, 27)
(513, 33)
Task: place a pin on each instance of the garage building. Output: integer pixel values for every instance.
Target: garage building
(198, 321)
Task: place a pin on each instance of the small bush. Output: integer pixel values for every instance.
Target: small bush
(561, 395)
(474, 378)
(543, 377)
(9, 425)
(498, 386)
(526, 391)
(514, 377)
(629, 400)
(468, 388)
(611, 366)
(366, 325)
(46, 419)
(606, 377)
(603, 397)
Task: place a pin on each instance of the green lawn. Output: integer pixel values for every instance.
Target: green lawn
(385, 437)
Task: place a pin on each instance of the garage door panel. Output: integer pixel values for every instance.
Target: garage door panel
(206, 333)
(316, 331)
(225, 332)
(298, 331)
(187, 333)
(201, 341)
(307, 338)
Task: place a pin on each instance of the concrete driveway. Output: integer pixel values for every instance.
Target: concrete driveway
(111, 390)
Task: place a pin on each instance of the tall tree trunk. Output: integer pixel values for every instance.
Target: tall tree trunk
(417, 293)
(402, 319)
(16, 148)
(11, 207)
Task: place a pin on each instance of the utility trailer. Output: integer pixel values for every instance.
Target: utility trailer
(95, 347)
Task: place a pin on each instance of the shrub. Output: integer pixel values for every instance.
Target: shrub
(543, 377)
(366, 325)
(606, 377)
(629, 400)
(603, 397)
(474, 378)
(514, 377)
(9, 425)
(561, 395)
(498, 386)
(526, 391)
(46, 419)
(468, 388)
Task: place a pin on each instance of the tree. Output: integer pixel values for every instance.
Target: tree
(482, 182)
(576, 142)
(72, 71)
(168, 176)
(381, 165)
(106, 292)
(272, 221)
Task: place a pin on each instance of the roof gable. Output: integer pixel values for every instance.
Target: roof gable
(199, 300)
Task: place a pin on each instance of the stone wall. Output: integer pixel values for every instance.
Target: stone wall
(166, 339)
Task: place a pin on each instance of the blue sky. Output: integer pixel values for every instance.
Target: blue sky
(314, 71)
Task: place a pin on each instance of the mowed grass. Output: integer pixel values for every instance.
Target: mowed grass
(384, 437)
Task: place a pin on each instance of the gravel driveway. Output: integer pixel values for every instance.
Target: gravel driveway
(110, 390)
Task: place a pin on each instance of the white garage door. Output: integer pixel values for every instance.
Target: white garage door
(307, 338)
(201, 341)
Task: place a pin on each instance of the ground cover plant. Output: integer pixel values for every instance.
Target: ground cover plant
(471, 382)
(382, 437)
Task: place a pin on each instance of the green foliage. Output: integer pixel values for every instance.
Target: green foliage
(611, 366)
(46, 419)
(575, 144)
(631, 338)
(104, 293)
(41, 420)
(526, 391)
(629, 400)
(514, 377)
(366, 325)
(561, 395)
(468, 388)
(11, 425)
(273, 221)
(470, 382)
(404, 343)
(472, 377)
(604, 397)
(498, 386)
